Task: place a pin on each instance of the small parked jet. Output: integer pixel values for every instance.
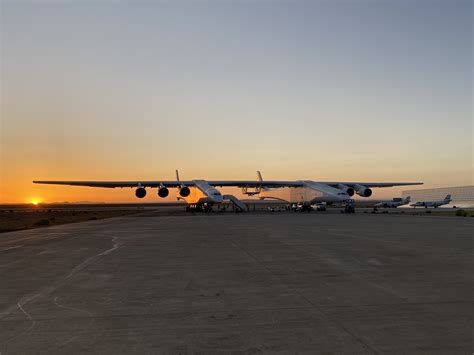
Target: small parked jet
(434, 204)
(202, 194)
(396, 202)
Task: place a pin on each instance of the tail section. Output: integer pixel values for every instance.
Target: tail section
(447, 198)
(260, 178)
(407, 200)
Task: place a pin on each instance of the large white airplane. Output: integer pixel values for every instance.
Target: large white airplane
(202, 194)
(434, 204)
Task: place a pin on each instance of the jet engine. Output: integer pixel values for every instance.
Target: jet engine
(184, 191)
(163, 192)
(140, 192)
(363, 191)
(347, 189)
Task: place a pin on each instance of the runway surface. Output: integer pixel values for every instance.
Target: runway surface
(286, 282)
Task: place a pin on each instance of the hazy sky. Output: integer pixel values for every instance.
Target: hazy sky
(330, 90)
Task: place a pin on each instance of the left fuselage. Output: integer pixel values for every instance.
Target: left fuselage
(202, 193)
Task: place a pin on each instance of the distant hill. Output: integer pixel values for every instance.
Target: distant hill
(75, 203)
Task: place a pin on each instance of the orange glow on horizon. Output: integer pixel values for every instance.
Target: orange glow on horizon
(223, 113)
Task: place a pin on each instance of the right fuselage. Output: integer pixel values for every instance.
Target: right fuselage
(312, 192)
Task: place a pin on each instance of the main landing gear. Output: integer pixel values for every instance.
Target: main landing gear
(349, 207)
(199, 207)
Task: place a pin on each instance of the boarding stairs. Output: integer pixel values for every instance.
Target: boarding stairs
(239, 205)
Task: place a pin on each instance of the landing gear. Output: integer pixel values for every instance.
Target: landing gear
(349, 207)
(301, 207)
(199, 207)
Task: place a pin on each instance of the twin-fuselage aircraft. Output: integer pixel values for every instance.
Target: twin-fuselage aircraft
(203, 194)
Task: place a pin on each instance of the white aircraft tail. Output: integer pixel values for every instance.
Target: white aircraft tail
(260, 178)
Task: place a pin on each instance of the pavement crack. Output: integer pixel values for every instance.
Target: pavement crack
(313, 305)
(29, 317)
(49, 289)
(84, 330)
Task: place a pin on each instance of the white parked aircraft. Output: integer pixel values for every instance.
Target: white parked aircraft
(434, 204)
(396, 202)
(203, 193)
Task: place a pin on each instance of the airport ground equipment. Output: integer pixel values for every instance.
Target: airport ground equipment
(239, 205)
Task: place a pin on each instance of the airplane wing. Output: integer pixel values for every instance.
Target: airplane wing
(219, 183)
(253, 183)
(371, 184)
(300, 183)
(114, 184)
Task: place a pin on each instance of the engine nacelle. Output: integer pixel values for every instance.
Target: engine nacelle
(363, 191)
(140, 192)
(184, 191)
(347, 189)
(163, 192)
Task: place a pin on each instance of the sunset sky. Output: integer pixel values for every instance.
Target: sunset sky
(322, 90)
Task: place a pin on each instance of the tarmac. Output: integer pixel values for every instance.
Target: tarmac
(243, 283)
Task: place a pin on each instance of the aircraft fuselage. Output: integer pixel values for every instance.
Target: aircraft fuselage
(202, 193)
(311, 192)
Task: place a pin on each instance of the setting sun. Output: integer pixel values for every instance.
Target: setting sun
(35, 202)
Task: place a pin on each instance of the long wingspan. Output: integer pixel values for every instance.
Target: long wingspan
(114, 184)
(219, 183)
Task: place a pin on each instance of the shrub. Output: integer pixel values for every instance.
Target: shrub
(461, 213)
(43, 222)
